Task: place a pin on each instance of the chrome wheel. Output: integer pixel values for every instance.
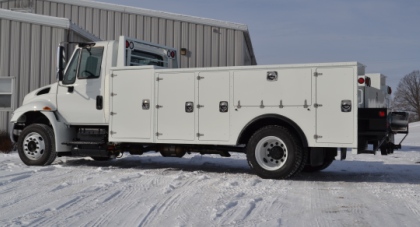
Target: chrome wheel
(33, 146)
(271, 153)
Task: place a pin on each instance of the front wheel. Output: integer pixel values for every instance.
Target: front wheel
(36, 145)
(274, 153)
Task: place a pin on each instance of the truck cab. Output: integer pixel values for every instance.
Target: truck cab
(84, 83)
(80, 97)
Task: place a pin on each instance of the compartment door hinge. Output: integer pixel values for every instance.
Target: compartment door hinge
(317, 136)
(317, 74)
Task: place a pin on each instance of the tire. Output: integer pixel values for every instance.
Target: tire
(36, 145)
(387, 149)
(274, 153)
(311, 169)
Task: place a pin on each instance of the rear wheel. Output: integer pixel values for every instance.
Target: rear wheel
(274, 153)
(36, 145)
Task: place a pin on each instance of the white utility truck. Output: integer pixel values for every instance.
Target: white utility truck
(129, 96)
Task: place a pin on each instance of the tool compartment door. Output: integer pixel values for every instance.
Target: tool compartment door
(213, 117)
(333, 87)
(128, 119)
(174, 122)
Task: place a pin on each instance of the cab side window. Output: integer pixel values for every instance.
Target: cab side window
(90, 63)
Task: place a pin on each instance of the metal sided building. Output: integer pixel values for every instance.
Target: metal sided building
(207, 42)
(32, 29)
(28, 54)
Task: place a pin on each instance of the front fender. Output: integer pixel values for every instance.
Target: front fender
(41, 105)
(62, 133)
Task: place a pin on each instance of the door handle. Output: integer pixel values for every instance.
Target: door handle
(189, 107)
(99, 102)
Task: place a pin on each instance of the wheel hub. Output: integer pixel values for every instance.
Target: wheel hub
(33, 146)
(276, 152)
(271, 153)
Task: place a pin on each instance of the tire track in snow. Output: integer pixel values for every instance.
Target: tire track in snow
(173, 196)
(237, 202)
(119, 198)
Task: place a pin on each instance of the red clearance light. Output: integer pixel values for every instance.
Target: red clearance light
(382, 114)
(361, 80)
(171, 54)
(127, 44)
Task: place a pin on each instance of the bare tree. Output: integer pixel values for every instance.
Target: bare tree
(407, 96)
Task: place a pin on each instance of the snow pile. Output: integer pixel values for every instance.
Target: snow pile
(149, 190)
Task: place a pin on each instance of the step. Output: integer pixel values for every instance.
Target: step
(72, 143)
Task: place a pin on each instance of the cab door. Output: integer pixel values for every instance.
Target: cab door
(80, 94)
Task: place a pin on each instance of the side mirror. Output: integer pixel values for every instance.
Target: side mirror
(61, 62)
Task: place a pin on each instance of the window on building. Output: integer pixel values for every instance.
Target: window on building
(6, 93)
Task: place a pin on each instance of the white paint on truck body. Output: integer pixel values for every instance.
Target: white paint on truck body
(249, 95)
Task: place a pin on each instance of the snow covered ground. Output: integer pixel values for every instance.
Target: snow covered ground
(364, 190)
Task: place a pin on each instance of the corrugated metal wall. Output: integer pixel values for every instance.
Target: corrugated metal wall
(207, 45)
(27, 52)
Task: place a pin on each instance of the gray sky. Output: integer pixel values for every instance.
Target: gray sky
(382, 34)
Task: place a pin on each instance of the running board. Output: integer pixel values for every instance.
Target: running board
(72, 143)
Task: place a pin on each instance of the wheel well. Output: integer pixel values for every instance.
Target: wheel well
(266, 120)
(36, 117)
(29, 118)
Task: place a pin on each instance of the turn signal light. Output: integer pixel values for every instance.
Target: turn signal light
(47, 108)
